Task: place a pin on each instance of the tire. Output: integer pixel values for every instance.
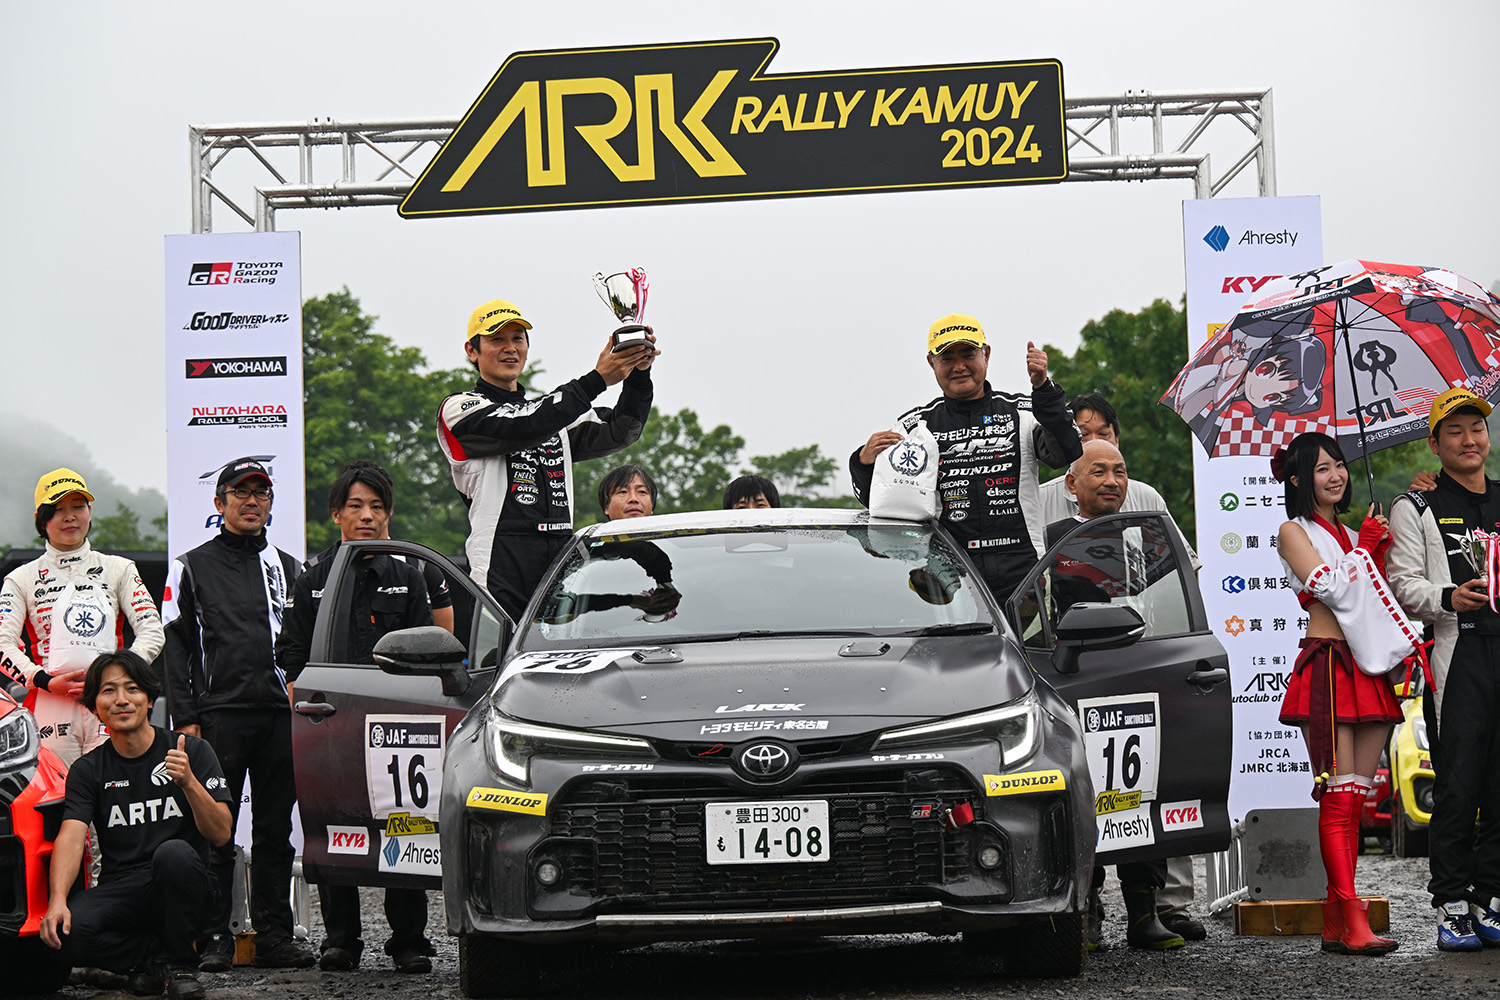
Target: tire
(30, 968)
(1050, 948)
(489, 968)
(1408, 839)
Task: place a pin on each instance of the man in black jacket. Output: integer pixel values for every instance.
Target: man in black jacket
(987, 463)
(224, 607)
(512, 458)
(388, 594)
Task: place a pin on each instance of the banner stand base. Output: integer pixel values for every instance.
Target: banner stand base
(1275, 917)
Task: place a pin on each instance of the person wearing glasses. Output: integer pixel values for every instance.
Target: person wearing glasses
(988, 454)
(224, 607)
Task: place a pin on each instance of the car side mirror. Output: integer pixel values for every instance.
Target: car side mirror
(1091, 626)
(426, 651)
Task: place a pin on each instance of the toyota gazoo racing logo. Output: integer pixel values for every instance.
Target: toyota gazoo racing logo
(765, 759)
(227, 320)
(258, 272)
(235, 367)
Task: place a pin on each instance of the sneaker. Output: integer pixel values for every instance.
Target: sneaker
(1486, 922)
(411, 960)
(336, 959)
(182, 984)
(217, 955)
(1183, 924)
(1454, 930)
(147, 981)
(287, 954)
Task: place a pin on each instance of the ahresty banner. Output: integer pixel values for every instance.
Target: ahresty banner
(1232, 246)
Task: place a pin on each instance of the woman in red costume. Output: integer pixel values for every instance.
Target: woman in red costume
(1345, 714)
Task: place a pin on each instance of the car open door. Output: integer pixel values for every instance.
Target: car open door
(1112, 618)
(368, 744)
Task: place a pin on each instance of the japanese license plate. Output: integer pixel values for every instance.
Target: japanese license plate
(754, 833)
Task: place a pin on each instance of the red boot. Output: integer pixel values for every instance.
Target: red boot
(1335, 809)
(1358, 939)
(1333, 927)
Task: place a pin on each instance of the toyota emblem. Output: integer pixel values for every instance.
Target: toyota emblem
(762, 760)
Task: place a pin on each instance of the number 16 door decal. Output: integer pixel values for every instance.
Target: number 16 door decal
(404, 764)
(1122, 740)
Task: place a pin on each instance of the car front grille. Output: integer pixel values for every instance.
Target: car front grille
(645, 850)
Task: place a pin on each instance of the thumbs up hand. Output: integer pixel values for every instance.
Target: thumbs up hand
(179, 769)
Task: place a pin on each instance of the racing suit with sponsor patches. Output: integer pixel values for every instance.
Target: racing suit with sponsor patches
(512, 460)
(96, 595)
(987, 473)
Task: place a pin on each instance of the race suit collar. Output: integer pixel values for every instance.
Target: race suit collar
(59, 557)
(499, 395)
(252, 543)
(981, 401)
(1448, 484)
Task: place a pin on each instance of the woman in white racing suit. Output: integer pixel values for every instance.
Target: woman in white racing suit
(58, 612)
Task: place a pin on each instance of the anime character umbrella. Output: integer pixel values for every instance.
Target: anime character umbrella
(1357, 350)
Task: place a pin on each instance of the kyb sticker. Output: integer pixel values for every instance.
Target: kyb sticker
(348, 840)
(1181, 815)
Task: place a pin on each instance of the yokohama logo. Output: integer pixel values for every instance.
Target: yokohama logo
(235, 367)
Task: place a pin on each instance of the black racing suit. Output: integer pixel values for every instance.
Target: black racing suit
(223, 610)
(512, 460)
(987, 473)
(389, 594)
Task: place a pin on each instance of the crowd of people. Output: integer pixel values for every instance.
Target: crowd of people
(236, 629)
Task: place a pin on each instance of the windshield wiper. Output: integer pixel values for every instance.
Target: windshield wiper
(954, 628)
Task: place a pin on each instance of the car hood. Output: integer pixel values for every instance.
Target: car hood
(742, 680)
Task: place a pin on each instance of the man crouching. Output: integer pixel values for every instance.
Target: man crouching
(157, 800)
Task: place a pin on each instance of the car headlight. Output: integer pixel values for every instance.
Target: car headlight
(1419, 733)
(19, 742)
(512, 743)
(1016, 726)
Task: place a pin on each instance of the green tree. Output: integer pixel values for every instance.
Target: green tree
(121, 532)
(1130, 359)
(799, 475)
(367, 397)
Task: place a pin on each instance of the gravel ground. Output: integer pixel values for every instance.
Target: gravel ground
(916, 966)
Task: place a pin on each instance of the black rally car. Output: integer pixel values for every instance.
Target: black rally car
(757, 722)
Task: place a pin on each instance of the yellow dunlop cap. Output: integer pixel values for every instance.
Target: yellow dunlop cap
(954, 328)
(504, 800)
(491, 316)
(1025, 783)
(1450, 401)
(59, 483)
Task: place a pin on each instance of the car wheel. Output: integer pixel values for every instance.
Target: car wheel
(490, 968)
(30, 967)
(1050, 948)
(1408, 838)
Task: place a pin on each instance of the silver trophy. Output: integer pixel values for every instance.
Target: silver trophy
(625, 294)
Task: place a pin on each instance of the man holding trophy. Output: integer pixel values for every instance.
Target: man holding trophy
(512, 457)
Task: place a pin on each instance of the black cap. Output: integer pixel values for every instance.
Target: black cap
(239, 470)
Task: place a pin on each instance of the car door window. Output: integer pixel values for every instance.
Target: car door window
(1129, 561)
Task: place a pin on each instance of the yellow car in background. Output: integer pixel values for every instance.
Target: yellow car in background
(1411, 782)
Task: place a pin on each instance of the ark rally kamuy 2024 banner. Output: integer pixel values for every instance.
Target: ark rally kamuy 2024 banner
(234, 377)
(1232, 246)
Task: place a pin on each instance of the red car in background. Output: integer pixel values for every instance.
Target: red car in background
(32, 784)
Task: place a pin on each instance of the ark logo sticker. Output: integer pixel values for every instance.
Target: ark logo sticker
(702, 121)
(504, 800)
(1025, 783)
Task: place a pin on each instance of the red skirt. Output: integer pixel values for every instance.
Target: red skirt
(1357, 697)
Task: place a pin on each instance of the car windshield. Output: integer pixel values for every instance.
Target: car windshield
(724, 583)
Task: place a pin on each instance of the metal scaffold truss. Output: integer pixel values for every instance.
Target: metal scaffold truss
(257, 170)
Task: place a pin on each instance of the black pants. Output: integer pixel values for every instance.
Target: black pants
(1135, 875)
(517, 565)
(150, 913)
(405, 910)
(1002, 569)
(258, 742)
(1465, 863)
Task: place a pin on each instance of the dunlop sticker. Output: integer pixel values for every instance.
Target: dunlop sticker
(404, 824)
(503, 800)
(1111, 800)
(1025, 783)
(704, 121)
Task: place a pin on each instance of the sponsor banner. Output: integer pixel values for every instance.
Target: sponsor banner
(1187, 815)
(234, 377)
(1025, 783)
(504, 800)
(1232, 247)
(348, 840)
(414, 854)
